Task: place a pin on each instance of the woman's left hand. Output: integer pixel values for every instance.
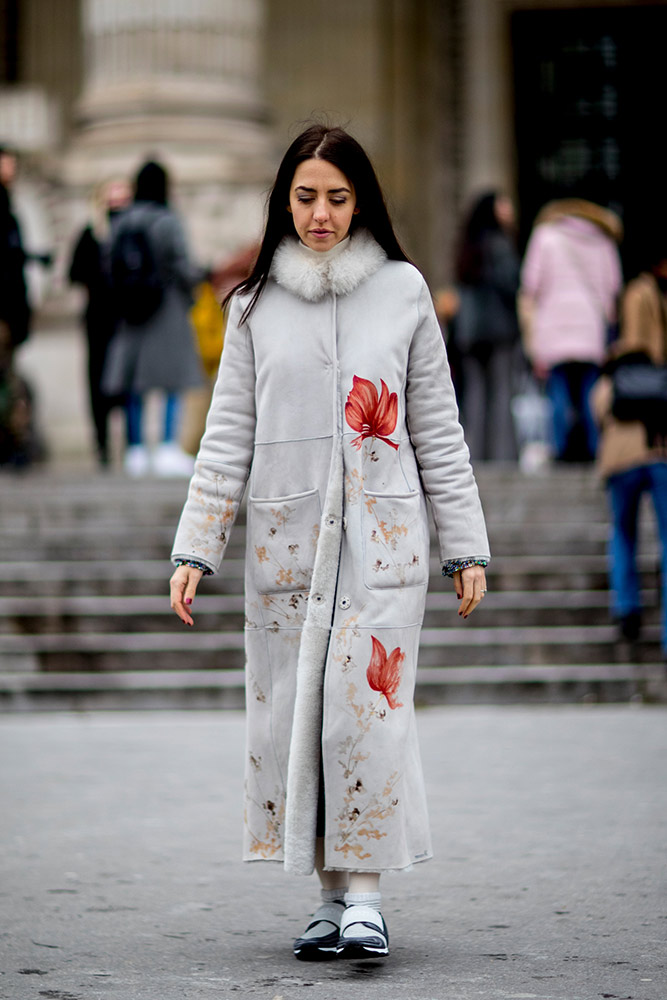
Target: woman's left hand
(470, 587)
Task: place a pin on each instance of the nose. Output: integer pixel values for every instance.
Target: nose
(321, 211)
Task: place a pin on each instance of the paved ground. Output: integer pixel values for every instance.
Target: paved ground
(120, 874)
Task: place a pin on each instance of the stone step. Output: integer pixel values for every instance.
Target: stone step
(211, 689)
(225, 612)
(463, 646)
(146, 576)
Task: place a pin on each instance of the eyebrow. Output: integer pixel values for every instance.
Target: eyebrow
(340, 190)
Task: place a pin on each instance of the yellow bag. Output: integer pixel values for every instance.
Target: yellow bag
(208, 321)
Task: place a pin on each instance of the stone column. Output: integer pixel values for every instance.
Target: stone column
(180, 82)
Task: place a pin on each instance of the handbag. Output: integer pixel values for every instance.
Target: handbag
(640, 393)
(640, 388)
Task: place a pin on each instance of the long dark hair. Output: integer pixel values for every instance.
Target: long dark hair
(336, 146)
(481, 221)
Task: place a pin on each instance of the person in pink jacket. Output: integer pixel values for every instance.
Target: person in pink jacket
(570, 281)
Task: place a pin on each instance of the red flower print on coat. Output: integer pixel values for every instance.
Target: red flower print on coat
(375, 418)
(384, 672)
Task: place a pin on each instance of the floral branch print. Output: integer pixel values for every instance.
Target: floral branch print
(384, 672)
(387, 537)
(373, 416)
(362, 813)
(281, 552)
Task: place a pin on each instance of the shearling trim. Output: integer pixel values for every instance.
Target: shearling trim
(312, 275)
(303, 770)
(603, 218)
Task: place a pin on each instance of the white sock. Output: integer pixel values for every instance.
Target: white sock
(372, 899)
(333, 895)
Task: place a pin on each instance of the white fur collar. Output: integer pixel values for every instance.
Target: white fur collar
(311, 274)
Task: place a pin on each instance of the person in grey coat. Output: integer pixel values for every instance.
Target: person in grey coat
(334, 403)
(486, 329)
(159, 352)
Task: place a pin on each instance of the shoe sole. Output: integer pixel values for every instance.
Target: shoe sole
(315, 954)
(356, 951)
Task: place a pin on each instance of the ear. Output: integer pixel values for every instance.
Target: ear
(289, 209)
(356, 210)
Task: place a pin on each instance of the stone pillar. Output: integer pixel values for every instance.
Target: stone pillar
(488, 153)
(180, 82)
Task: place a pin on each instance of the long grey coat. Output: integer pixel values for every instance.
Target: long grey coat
(335, 399)
(160, 353)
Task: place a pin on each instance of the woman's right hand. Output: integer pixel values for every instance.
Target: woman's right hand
(183, 587)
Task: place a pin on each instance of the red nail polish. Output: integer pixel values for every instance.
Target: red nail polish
(188, 600)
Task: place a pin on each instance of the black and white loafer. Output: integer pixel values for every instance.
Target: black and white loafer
(320, 938)
(363, 934)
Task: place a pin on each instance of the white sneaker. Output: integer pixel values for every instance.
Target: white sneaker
(169, 460)
(137, 460)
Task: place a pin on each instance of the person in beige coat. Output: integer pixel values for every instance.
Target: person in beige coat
(334, 404)
(632, 458)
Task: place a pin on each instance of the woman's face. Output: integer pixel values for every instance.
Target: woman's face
(322, 202)
(117, 195)
(504, 211)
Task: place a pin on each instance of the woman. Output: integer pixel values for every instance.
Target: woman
(632, 455)
(90, 268)
(570, 281)
(334, 398)
(158, 351)
(486, 329)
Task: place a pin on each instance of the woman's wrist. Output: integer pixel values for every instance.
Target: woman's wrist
(194, 564)
(456, 565)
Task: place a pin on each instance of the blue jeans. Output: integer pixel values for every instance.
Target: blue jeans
(568, 388)
(134, 412)
(625, 490)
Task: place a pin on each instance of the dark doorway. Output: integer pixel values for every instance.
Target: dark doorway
(588, 118)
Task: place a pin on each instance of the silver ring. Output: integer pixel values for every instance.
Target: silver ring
(483, 592)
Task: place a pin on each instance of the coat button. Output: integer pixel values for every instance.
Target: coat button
(317, 598)
(344, 603)
(344, 524)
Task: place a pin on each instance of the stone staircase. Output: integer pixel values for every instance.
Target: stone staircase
(85, 619)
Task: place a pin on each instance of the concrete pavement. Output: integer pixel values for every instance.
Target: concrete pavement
(121, 877)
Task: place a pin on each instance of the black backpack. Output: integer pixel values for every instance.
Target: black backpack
(135, 279)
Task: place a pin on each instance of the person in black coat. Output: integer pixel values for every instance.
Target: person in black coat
(90, 268)
(14, 308)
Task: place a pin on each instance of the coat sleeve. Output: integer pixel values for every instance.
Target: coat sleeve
(225, 455)
(181, 270)
(437, 437)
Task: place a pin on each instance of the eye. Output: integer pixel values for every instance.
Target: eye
(338, 201)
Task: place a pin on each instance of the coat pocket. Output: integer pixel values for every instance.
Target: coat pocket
(395, 540)
(283, 534)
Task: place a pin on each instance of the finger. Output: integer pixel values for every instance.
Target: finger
(458, 587)
(467, 597)
(177, 588)
(478, 595)
(474, 589)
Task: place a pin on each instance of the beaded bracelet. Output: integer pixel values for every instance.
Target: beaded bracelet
(454, 565)
(195, 565)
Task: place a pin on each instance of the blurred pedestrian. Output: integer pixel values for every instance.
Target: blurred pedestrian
(14, 307)
(91, 267)
(633, 453)
(20, 444)
(485, 328)
(208, 320)
(334, 400)
(570, 281)
(153, 347)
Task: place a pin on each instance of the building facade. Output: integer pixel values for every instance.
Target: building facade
(451, 97)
